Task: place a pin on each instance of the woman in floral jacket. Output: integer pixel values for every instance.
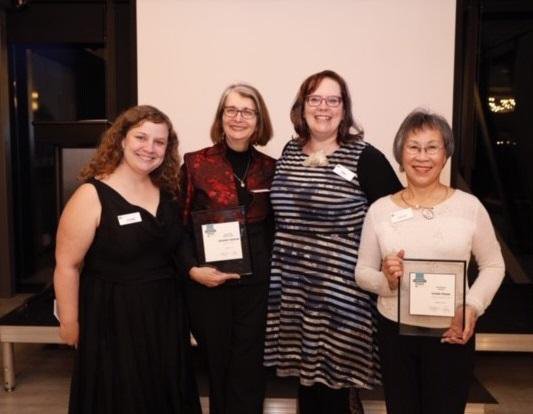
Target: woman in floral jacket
(228, 310)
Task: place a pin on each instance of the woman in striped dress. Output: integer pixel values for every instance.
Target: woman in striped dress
(320, 324)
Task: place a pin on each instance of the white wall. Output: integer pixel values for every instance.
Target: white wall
(395, 55)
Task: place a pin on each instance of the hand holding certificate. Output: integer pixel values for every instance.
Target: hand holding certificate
(211, 277)
(431, 298)
(392, 267)
(461, 331)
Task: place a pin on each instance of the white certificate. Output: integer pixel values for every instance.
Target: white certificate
(222, 241)
(432, 294)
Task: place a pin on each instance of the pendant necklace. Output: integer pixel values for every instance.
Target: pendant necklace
(242, 181)
(426, 211)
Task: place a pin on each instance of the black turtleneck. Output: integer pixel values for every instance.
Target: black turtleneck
(240, 163)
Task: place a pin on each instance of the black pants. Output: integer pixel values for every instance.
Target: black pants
(229, 325)
(320, 399)
(421, 375)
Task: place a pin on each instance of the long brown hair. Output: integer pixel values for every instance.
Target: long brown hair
(347, 123)
(109, 153)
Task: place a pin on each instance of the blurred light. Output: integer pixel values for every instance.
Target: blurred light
(501, 105)
(506, 142)
(34, 101)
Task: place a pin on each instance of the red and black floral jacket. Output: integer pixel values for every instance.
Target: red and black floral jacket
(207, 183)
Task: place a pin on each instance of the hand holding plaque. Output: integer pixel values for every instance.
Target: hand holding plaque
(431, 294)
(392, 267)
(211, 277)
(462, 326)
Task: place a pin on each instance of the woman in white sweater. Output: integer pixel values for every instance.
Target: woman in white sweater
(426, 220)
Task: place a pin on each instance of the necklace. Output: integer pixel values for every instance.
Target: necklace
(426, 211)
(242, 180)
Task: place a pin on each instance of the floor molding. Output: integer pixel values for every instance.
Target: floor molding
(504, 342)
(288, 406)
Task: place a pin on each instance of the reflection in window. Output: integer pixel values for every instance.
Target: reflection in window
(503, 173)
(58, 83)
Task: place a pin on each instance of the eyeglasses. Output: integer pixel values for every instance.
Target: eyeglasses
(246, 113)
(432, 149)
(331, 100)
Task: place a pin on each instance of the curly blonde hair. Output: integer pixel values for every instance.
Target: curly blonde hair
(109, 153)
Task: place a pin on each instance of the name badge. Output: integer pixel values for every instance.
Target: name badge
(260, 190)
(130, 218)
(401, 215)
(344, 172)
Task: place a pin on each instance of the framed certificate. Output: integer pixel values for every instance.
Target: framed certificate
(221, 239)
(429, 294)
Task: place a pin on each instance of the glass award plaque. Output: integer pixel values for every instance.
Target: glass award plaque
(430, 293)
(221, 239)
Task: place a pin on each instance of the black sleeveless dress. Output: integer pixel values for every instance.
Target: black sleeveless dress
(133, 354)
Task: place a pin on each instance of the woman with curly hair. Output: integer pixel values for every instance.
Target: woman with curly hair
(120, 303)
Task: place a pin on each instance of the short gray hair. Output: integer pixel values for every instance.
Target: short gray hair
(418, 120)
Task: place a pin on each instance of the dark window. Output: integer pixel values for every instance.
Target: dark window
(494, 126)
(64, 64)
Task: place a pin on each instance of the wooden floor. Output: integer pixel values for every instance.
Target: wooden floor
(43, 373)
(43, 376)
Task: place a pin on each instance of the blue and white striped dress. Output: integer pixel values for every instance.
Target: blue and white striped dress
(320, 324)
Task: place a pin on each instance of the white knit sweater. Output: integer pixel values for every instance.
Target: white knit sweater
(460, 226)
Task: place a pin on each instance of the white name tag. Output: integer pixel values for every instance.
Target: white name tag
(130, 218)
(260, 190)
(344, 172)
(401, 215)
